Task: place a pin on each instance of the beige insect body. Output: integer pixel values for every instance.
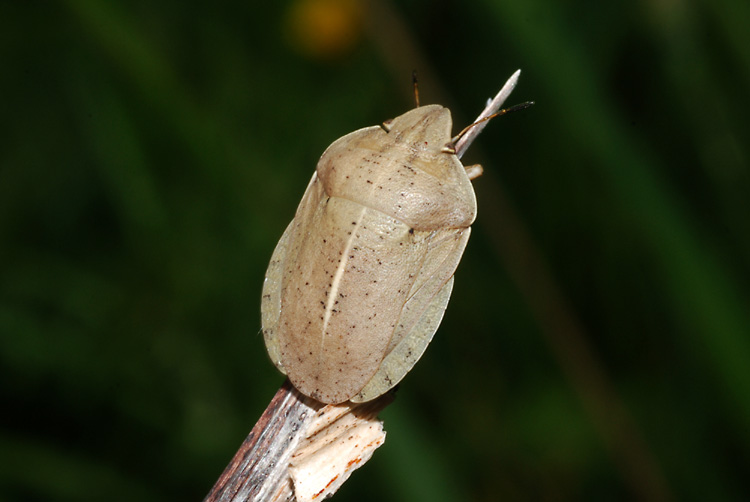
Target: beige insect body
(359, 281)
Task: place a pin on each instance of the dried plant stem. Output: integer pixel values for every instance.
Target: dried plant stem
(301, 449)
(492, 107)
(259, 469)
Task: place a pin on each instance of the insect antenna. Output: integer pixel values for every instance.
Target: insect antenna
(514, 108)
(416, 87)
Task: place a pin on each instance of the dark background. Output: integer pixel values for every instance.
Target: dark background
(597, 343)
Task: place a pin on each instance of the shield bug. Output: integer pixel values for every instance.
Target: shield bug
(361, 277)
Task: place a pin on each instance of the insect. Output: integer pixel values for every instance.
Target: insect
(361, 277)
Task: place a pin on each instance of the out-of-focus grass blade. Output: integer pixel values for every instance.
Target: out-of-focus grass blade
(702, 289)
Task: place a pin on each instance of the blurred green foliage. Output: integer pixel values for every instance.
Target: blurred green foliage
(597, 345)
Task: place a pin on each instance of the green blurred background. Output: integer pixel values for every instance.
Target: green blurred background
(597, 345)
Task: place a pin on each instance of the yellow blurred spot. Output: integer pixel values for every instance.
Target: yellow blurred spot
(324, 29)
